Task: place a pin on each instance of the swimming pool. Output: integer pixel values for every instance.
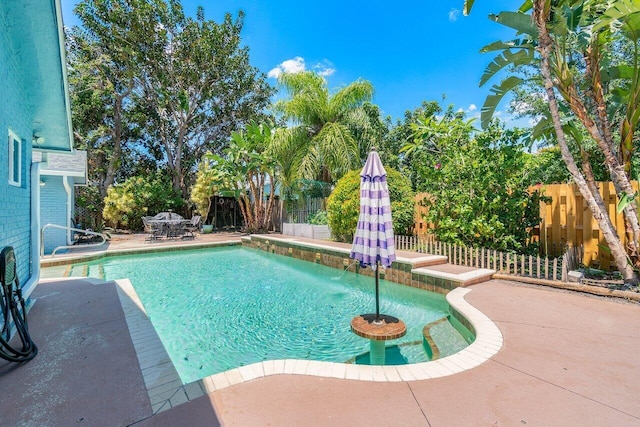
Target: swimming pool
(221, 308)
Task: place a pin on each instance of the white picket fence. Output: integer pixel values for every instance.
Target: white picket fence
(503, 262)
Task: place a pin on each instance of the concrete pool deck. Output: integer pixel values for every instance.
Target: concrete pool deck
(567, 359)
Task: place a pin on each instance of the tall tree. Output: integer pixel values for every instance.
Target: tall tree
(102, 79)
(401, 134)
(573, 45)
(197, 86)
(325, 126)
(182, 84)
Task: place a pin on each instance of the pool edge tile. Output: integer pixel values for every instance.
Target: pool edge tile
(159, 373)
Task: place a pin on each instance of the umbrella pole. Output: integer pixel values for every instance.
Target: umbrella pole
(377, 293)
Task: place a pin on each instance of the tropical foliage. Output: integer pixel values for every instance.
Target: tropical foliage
(591, 84)
(245, 171)
(207, 185)
(343, 206)
(319, 218)
(153, 91)
(476, 184)
(329, 132)
(127, 203)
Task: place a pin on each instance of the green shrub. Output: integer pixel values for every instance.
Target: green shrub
(319, 218)
(139, 196)
(476, 184)
(343, 206)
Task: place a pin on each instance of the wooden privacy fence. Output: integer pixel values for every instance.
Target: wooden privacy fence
(566, 222)
(504, 262)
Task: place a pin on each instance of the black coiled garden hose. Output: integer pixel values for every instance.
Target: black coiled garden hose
(13, 311)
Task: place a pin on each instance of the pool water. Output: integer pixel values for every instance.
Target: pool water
(221, 308)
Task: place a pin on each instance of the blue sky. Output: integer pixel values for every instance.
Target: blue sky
(411, 51)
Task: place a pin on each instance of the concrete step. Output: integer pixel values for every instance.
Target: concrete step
(422, 260)
(460, 276)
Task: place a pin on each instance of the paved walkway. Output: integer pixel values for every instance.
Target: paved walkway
(567, 359)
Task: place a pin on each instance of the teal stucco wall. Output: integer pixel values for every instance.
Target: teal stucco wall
(15, 115)
(53, 210)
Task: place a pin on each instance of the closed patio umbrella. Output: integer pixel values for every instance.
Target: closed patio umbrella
(373, 241)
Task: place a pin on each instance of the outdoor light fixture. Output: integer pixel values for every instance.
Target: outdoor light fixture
(37, 139)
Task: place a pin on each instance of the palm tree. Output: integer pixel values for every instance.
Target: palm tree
(320, 144)
(571, 44)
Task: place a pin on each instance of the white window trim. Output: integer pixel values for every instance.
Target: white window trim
(13, 137)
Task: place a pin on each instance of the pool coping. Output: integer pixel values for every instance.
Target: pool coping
(92, 256)
(166, 390)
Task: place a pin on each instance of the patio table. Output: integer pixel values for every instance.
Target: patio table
(171, 228)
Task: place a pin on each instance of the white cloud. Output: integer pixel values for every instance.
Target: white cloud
(274, 72)
(297, 65)
(324, 68)
(453, 15)
(469, 110)
(294, 65)
(326, 72)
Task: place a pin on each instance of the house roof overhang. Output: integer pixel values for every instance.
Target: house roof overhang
(36, 39)
(73, 165)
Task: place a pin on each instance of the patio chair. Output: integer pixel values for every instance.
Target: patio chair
(151, 229)
(192, 226)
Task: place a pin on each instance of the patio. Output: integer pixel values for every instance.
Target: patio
(567, 359)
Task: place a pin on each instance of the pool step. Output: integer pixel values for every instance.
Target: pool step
(441, 339)
(429, 344)
(83, 270)
(78, 271)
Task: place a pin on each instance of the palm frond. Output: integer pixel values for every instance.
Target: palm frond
(520, 22)
(310, 164)
(466, 8)
(511, 44)
(624, 15)
(350, 97)
(337, 147)
(505, 59)
(497, 93)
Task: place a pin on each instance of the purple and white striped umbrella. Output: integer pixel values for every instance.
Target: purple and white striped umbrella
(373, 240)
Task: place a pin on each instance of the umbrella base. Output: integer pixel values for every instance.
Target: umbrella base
(371, 318)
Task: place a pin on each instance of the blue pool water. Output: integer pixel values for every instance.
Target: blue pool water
(220, 308)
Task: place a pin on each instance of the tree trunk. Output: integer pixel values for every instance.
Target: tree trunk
(600, 131)
(114, 160)
(593, 199)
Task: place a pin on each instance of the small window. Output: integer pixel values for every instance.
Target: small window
(15, 160)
